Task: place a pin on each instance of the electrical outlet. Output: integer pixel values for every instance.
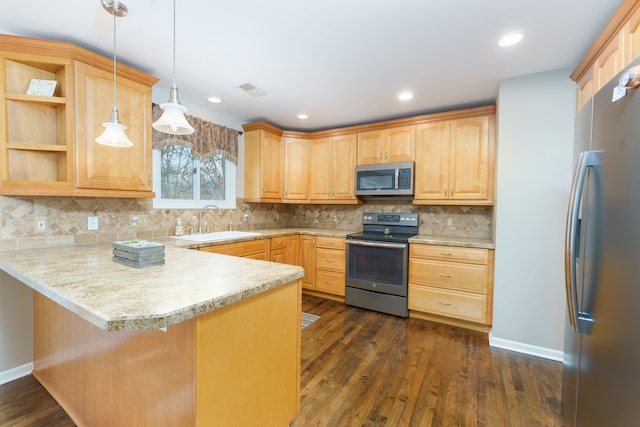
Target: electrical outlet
(41, 225)
(449, 222)
(92, 223)
(139, 221)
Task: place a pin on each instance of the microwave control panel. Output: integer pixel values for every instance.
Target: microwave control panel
(404, 179)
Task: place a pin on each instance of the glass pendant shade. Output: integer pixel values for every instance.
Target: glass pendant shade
(173, 120)
(113, 135)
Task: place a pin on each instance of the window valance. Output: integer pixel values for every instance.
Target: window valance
(208, 139)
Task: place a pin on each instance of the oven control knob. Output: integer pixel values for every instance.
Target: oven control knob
(373, 285)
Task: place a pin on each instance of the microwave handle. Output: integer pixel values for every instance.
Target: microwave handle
(397, 178)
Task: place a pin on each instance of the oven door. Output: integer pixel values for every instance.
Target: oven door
(377, 266)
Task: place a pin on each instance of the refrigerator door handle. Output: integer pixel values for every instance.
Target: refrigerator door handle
(580, 321)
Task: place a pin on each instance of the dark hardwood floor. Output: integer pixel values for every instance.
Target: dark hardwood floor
(361, 368)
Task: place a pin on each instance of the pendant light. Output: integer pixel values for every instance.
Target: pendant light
(173, 120)
(113, 135)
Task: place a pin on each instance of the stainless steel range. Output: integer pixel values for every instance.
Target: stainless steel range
(377, 262)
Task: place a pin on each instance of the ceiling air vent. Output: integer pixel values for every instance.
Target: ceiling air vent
(251, 90)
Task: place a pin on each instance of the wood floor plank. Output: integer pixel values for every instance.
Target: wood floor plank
(361, 368)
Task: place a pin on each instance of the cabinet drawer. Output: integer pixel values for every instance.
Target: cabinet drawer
(327, 259)
(449, 253)
(448, 303)
(278, 242)
(330, 242)
(331, 282)
(465, 277)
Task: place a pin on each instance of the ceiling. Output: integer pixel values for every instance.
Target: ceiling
(342, 62)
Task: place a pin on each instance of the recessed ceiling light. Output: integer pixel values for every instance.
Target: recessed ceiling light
(511, 39)
(303, 116)
(405, 96)
(214, 100)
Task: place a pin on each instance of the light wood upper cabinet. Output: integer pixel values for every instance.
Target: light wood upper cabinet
(632, 37)
(455, 161)
(59, 156)
(432, 165)
(586, 88)
(263, 163)
(296, 170)
(35, 158)
(387, 145)
(617, 45)
(610, 61)
(99, 166)
(333, 169)
(469, 177)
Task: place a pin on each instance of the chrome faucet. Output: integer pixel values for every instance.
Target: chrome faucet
(202, 210)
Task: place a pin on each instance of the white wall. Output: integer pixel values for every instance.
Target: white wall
(536, 116)
(16, 326)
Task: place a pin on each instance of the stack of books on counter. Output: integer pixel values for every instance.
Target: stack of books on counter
(138, 253)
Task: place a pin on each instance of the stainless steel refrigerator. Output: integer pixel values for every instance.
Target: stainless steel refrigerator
(601, 367)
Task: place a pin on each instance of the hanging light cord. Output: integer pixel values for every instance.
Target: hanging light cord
(174, 43)
(115, 7)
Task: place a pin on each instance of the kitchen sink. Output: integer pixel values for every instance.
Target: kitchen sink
(218, 235)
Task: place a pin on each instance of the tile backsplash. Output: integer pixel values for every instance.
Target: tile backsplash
(65, 219)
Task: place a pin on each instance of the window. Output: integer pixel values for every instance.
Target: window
(182, 180)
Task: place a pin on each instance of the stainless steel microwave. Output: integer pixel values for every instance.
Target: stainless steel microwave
(388, 179)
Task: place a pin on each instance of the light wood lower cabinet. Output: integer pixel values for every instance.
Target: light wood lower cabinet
(238, 365)
(331, 265)
(452, 283)
(255, 249)
(284, 249)
(308, 261)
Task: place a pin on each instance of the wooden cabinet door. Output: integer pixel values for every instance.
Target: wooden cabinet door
(469, 173)
(321, 180)
(432, 161)
(585, 88)
(400, 144)
(271, 166)
(278, 255)
(610, 61)
(308, 261)
(292, 253)
(632, 40)
(108, 168)
(370, 147)
(344, 166)
(296, 169)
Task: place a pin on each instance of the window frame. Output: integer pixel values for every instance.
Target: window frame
(229, 201)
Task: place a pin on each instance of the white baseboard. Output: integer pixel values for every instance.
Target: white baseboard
(15, 373)
(532, 350)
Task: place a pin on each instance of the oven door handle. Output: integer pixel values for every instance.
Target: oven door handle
(377, 244)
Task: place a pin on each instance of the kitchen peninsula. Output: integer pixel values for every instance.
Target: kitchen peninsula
(203, 337)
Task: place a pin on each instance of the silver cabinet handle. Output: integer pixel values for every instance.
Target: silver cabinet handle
(446, 253)
(329, 283)
(330, 260)
(445, 275)
(444, 303)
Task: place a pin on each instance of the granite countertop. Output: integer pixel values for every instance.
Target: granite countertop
(114, 297)
(263, 234)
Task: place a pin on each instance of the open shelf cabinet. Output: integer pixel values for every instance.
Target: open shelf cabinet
(36, 132)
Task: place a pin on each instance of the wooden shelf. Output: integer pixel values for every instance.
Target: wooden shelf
(46, 100)
(36, 147)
